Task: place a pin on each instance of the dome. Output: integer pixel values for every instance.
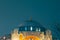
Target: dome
(31, 26)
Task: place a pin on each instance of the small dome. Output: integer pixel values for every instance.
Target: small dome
(31, 26)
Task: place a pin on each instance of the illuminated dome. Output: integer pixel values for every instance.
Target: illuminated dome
(31, 25)
(31, 30)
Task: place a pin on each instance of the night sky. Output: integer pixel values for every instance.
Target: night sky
(13, 12)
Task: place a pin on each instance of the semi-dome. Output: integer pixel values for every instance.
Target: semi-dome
(31, 25)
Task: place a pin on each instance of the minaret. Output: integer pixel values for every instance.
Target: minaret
(30, 18)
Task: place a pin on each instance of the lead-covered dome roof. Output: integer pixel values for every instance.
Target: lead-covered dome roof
(31, 25)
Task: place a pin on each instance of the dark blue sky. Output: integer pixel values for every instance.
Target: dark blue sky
(13, 12)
